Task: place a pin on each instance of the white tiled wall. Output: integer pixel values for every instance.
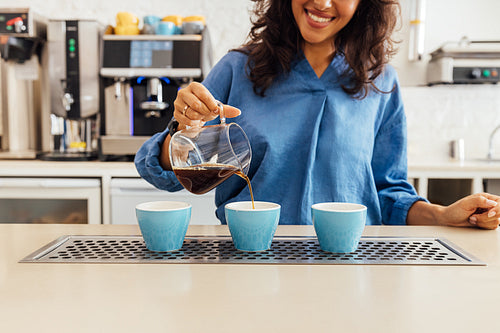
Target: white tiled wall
(436, 115)
(228, 19)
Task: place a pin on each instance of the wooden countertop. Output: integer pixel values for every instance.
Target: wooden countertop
(36, 297)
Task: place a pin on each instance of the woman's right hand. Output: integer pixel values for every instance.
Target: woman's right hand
(195, 105)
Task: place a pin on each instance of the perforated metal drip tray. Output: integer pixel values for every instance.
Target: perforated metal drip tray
(220, 250)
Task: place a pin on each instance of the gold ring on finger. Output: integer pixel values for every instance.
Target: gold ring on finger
(184, 110)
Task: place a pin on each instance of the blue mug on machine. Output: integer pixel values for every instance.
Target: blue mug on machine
(166, 28)
(150, 24)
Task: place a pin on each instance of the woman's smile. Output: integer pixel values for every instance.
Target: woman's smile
(318, 17)
(320, 21)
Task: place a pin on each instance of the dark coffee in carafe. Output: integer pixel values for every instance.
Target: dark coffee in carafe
(204, 177)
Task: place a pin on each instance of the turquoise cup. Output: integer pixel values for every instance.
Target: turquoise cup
(338, 225)
(166, 28)
(252, 229)
(163, 224)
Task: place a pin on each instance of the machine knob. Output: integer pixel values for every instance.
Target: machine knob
(153, 114)
(67, 100)
(476, 73)
(19, 27)
(16, 24)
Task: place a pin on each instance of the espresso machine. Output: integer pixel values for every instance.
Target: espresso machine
(22, 41)
(70, 116)
(141, 75)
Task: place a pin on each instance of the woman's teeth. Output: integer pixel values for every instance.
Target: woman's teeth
(318, 19)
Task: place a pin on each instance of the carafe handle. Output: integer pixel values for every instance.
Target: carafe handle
(222, 115)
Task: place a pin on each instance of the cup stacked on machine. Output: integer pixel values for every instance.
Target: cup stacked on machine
(129, 24)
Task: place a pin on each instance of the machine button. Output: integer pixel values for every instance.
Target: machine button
(486, 73)
(494, 73)
(476, 73)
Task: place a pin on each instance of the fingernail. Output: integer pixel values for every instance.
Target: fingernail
(492, 213)
(491, 202)
(472, 220)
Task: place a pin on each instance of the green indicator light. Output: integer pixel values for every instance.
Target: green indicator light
(486, 73)
(72, 48)
(71, 41)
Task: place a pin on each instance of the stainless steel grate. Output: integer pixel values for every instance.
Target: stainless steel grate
(220, 249)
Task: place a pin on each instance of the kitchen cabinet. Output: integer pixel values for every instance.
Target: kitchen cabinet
(126, 193)
(120, 188)
(446, 182)
(440, 182)
(50, 200)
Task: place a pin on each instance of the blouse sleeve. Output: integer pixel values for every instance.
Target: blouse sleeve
(389, 163)
(147, 163)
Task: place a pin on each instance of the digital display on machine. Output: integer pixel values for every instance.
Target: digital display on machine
(151, 54)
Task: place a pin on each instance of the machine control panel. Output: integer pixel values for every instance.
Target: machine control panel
(71, 98)
(21, 22)
(152, 56)
(11, 23)
(476, 74)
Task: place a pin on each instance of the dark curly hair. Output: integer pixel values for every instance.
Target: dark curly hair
(366, 42)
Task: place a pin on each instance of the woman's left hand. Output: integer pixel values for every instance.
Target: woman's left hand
(481, 210)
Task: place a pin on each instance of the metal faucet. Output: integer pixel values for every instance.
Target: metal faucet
(490, 144)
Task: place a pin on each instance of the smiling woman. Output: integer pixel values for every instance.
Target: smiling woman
(319, 22)
(360, 30)
(319, 69)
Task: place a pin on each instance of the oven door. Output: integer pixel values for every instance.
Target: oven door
(50, 200)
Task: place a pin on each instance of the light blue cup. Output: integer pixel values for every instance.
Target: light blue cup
(166, 28)
(163, 224)
(338, 225)
(150, 24)
(152, 19)
(252, 229)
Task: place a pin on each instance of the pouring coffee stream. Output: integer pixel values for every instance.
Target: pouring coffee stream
(204, 157)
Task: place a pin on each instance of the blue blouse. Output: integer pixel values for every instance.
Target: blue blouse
(311, 142)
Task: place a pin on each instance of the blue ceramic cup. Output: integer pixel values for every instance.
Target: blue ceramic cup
(163, 224)
(252, 229)
(338, 225)
(166, 28)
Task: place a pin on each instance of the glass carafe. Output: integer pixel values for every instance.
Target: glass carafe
(203, 157)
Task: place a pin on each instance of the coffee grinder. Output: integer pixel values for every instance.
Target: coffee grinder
(72, 114)
(22, 39)
(141, 75)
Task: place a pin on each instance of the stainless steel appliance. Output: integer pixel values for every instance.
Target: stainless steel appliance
(72, 114)
(141, 76)
(22, 39)
(465, 62)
